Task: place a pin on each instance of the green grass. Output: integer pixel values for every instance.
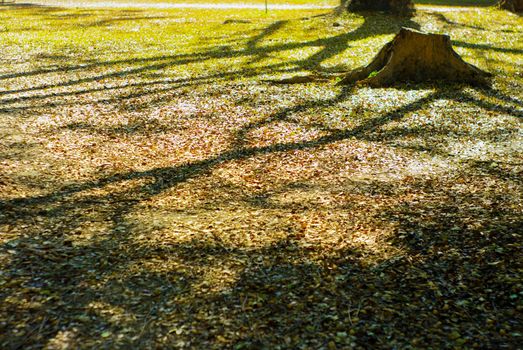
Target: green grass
(270, 2)
(117, 2)
(156, 192)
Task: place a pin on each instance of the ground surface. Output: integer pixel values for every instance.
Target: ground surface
(271, 4)
(157, 193)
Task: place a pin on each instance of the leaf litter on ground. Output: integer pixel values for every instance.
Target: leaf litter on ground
(156, 192)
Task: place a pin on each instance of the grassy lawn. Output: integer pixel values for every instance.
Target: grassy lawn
(141, 2)
(156, 192)
(270, 2)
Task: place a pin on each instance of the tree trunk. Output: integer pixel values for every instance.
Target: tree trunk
(512, 5)
(417, 56)
(398, 7)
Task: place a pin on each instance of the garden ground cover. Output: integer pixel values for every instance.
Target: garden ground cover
(159, 3)
(157, 192)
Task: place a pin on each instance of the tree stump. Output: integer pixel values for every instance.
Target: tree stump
(417, 56)
(512, 5)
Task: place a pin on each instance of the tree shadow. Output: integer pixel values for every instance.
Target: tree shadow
(119, 288)
(374, 24)
(283, 295)
(115, 20)
(449, 23)
(449, 278)
(37, 9)
(255, 50)
(474, 3)
(486, 47)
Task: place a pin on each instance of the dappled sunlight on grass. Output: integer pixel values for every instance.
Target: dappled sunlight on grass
(157, 191)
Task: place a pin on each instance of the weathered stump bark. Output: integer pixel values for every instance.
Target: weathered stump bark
(399, 7)
(512, 5)
(417, 56)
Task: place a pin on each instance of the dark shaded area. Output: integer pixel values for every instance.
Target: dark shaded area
(116, 20)
(397, 7)
(36, 8)
(315, 299)
(512, 5)
(486, 47)
(440, 17)
(479, 3)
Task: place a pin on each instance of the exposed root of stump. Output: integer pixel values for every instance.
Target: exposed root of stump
(512, 5)
(418, 57)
